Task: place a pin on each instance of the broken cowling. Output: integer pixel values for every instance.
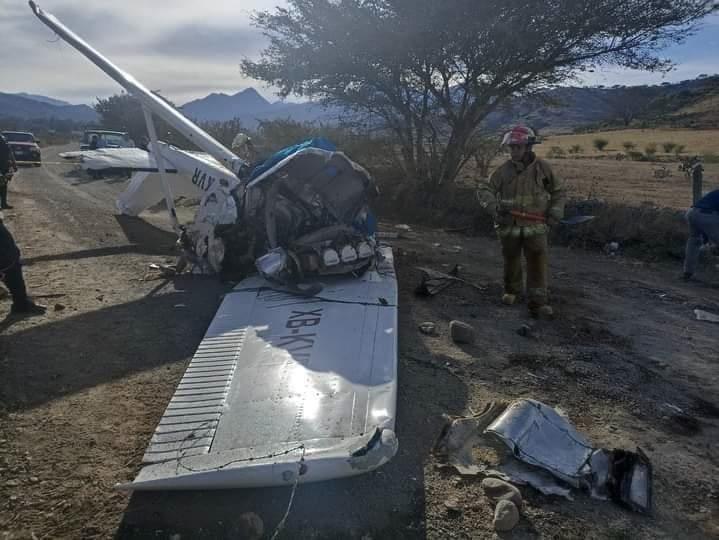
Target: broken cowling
(314, 216)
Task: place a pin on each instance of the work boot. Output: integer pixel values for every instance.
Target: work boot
(28, 309)
(544, 312)
(509, 299)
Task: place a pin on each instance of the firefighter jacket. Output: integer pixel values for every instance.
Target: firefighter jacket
(525, 188)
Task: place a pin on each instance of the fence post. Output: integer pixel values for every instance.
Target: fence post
(697, 179)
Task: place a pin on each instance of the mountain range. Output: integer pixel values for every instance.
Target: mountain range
(693, 103)
(249, 107)
(33, 107)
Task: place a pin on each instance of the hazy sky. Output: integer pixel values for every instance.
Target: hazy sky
(194, 47)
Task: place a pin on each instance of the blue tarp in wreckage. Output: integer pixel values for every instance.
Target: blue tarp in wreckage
(266, 165)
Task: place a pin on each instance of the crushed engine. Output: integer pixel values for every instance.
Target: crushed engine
(304, 215)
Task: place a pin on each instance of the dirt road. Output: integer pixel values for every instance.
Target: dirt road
(82, 389)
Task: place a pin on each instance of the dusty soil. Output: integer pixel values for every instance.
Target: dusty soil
(82, 389)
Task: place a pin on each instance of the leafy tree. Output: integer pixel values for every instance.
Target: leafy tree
(650, 150)
(576, 149)
(600, 144)
(433, 71)
(122, 112)
(358, 143)
(224, 131)
(484, 150)
(669, 147)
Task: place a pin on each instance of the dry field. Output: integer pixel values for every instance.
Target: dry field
(695, 141)
(627, 182)
(630, 182)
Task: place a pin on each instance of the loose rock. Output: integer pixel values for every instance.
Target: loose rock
(461, 332)
(506, 516)
(251, 526)
(525, 330)
(499, 490)
(428, 328)
(59, 307)
(453, 506)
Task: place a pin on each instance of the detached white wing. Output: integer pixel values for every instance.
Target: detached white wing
(134, 159)
(137, 159)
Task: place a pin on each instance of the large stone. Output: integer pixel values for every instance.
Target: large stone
(499, 490)
(428, 328)
(506, 516)
(461, 332)
(250, 526)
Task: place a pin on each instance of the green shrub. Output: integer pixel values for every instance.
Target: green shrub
(629, 146)
(600, 144)
(576, 149)
(710, 157)
(679, 150)
(650, 150)
(669, 147)
(636, 156)
(556, 152)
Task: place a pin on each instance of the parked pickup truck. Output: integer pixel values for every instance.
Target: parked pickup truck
(105, 139)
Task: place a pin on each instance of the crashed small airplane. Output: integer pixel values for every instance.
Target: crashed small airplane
(296, 378)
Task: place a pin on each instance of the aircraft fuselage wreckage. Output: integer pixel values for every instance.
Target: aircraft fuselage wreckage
(296, 377)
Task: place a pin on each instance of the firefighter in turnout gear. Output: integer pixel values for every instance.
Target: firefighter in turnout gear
(527, 199)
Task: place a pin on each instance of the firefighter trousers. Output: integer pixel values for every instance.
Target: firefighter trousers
(536, 250)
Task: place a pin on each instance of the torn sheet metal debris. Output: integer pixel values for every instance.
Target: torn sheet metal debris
(520, 473)
(706, 316)
(433, 282)
(577, 220)
(537, 435)
(543, 449)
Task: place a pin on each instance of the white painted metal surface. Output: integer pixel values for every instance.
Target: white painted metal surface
(283, 385)
(198, 174)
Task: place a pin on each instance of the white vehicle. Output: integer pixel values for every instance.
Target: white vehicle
(105, 139)
(296, 378)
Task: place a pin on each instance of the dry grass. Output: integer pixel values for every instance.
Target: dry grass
(630, 182)
(695, 141)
